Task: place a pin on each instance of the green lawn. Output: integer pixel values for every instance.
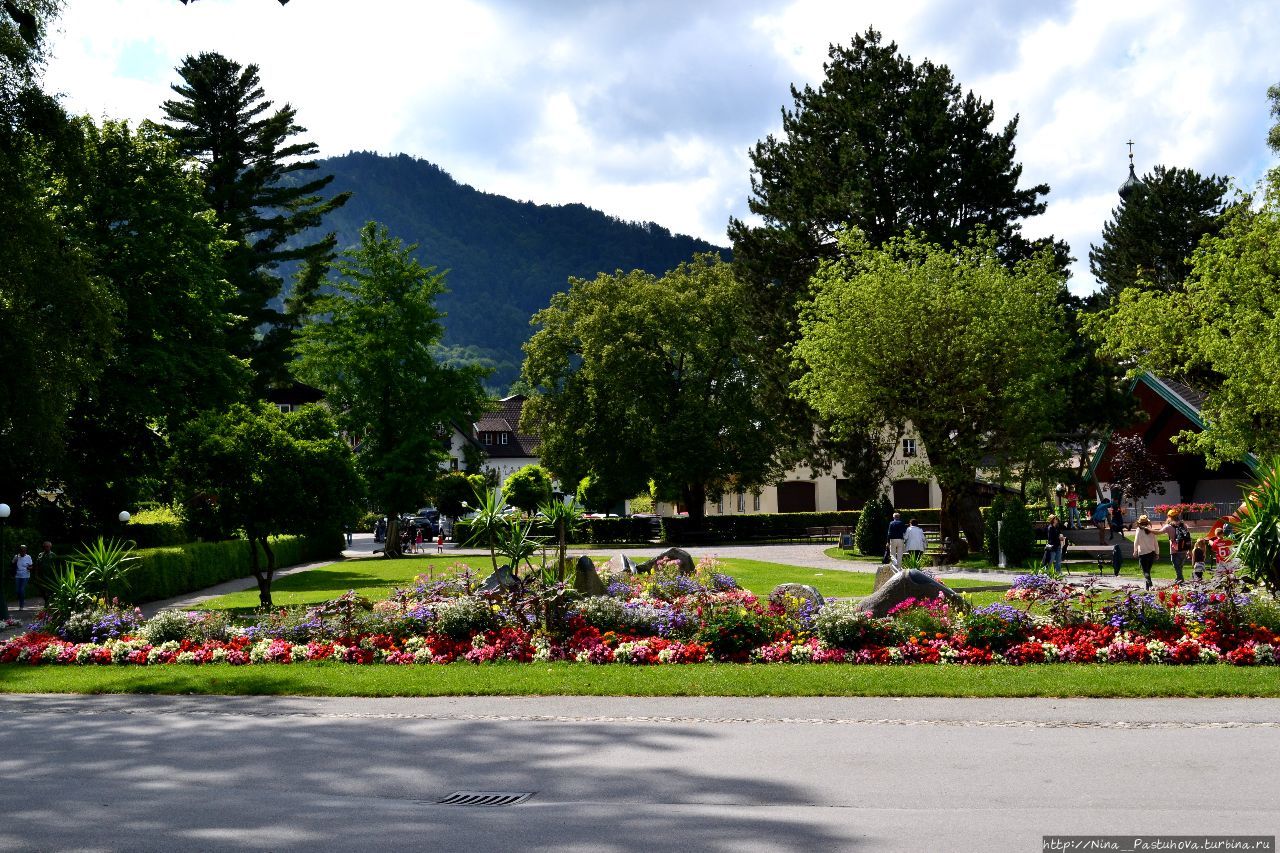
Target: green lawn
(1129, 569)
(332, 679)
(376, 578)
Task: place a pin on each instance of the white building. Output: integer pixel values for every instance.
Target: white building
(497, 437)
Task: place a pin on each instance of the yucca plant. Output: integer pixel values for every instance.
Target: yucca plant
(1258, 529)
(564, 517)
(105, 565)
(68, 592)
(490, 520)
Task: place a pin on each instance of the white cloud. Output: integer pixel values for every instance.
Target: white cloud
(647, 110)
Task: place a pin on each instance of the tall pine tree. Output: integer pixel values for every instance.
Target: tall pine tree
(257, 180)
(1149, 240)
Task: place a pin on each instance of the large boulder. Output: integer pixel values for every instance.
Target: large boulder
(677, 555)
(503, 578)
(797, 590)
(586, 579)
(904, 585)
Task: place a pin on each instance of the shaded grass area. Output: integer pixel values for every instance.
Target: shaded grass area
(566, 679)
(1128, 569)
(377, 578)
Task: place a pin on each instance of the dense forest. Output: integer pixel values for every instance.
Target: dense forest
(504, 257)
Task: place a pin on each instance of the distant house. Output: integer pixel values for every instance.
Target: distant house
(1170, 408)
(293, 396)
(800, 490)
(502, 447)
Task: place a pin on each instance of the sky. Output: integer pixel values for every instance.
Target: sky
(647, 110)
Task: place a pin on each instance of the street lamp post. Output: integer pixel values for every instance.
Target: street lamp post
(4, 576)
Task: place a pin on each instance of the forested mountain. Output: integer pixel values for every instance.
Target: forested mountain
(504, 257)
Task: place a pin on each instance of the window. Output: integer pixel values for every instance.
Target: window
(503, 438)
(755, 502)
(908, 447)
(720, 506)
(742, 502)
(486, 438)
(284, 407)
(453, 464)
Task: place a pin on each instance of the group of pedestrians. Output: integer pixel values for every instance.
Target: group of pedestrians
(905, 537)
(23, 568)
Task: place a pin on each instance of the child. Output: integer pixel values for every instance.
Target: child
(440, 543)
(1199, 556)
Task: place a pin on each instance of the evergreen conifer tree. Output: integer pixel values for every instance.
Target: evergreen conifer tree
(1017, 536)
(873, 526)
(257, 182)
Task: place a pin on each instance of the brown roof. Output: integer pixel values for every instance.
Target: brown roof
(507, 419)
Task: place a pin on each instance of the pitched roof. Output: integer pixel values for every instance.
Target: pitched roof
(507, 419)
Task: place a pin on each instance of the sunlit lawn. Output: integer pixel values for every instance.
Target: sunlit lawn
(1163, 568)
(376, 578)
(572, 679)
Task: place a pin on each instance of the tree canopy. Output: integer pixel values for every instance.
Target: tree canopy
(266, 472)
(1151, 234)
(964, 348)
(1218, 332)
(255, 171)
(369, 345)
(641, 377)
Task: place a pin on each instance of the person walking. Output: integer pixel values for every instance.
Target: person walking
(1099, 519)
(1199, 556)
(897, 533)
(1146, 547)
(440, 542)
(1179, 541)
(46, 571)
(22, 574)
(1053, 544)
(914, 541)
(418, 540)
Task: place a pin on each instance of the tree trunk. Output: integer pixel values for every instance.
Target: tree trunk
(255, 566)
(391, 548)
(960, 515)
(563, 538)
(695, 501)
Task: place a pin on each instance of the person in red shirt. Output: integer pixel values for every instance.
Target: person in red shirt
(1073, 509)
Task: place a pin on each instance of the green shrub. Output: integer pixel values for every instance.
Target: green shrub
(873, 527)
(165, 626)
(1263, 611)
(843, 625)
(730, 631)
(159, 527)
(995, 627)
(1017, 535)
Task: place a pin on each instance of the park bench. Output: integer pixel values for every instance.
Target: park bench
(1089, 556)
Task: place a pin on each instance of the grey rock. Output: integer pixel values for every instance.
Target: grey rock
(797, 590)
(678, 555)
(622, 563)
(503, 578)
(904, 585)
(586, 579)
(883, 574)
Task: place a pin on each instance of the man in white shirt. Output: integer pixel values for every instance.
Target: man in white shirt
(914, 541)
(22, 573)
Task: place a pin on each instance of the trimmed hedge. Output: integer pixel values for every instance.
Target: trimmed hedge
(165, 534)
(167, 572)
(762, 525)
(591, 531)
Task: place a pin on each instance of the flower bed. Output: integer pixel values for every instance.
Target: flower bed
(668, 618)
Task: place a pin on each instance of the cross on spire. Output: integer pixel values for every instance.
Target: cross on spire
(1132, 182)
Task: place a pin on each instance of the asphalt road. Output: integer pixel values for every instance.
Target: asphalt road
(615, 774)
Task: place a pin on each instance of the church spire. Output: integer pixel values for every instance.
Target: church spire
(1131, 183)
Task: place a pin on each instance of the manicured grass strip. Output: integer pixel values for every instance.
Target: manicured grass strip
(565, 679)
(1128, 569)
(373, 578)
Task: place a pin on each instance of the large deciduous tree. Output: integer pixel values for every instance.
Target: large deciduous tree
(965, 348)
(258, 181)
(267, 473)
(370, 346)
(642, 377)
(1151, 234)
(56, 317)
(139, 220)
(883, 145)
(1219, 332)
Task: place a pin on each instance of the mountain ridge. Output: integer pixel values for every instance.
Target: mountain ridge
(504, 258)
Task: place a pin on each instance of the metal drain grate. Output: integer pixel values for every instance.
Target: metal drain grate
(485, 798)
